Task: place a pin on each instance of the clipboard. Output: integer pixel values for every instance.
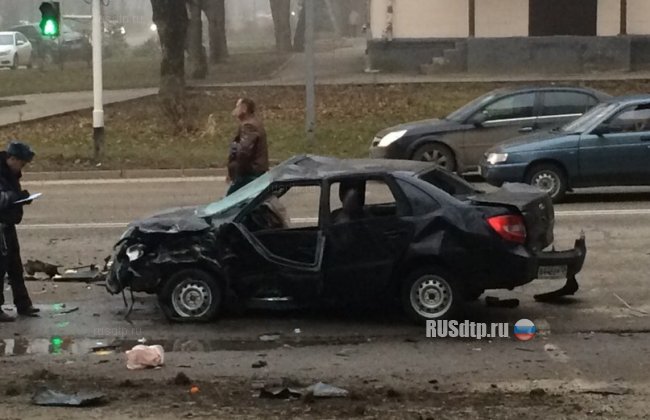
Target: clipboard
(31, 197)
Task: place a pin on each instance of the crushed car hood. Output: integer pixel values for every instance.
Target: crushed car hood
(181, 219)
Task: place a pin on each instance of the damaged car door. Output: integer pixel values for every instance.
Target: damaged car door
(275, 246)
(367, 233)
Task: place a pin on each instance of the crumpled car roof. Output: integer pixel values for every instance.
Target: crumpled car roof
(312, 167)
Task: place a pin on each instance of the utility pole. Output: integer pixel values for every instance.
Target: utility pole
(98, 85)
(310, 94)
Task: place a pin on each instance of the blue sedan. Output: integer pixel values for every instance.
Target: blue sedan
(607, 146)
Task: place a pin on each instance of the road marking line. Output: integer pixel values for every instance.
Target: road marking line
(580, 213)
(310, 220)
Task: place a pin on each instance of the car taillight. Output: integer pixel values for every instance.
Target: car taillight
(509, 227)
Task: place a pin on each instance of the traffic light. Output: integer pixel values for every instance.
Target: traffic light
(50, 18)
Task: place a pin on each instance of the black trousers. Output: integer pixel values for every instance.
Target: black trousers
(11, 265)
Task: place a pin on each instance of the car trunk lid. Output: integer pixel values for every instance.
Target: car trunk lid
(534, 205)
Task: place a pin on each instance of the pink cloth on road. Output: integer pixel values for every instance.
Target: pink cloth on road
(142, 357)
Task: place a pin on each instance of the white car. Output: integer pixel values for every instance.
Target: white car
(15, 50)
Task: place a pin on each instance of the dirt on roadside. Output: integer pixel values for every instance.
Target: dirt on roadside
(173, 392)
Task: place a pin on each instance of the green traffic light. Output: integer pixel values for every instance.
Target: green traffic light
(50, 18)
(50, 28)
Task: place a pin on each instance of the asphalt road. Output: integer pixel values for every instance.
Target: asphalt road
(76, 223)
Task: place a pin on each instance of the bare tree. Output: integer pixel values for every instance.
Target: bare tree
(281, 11)
(197, 56)
(299, 36)
(215, 10)
(170, 16)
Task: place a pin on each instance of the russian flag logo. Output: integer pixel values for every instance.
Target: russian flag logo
(525, 330)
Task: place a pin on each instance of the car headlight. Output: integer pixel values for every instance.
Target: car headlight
(135, 252)
(390, 138)
(494, 158)
(3, 53)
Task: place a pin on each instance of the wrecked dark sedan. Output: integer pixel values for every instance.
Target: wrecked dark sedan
(318, 229)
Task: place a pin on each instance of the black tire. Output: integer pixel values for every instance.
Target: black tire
(186, 289)
(550, 178)
(443, 291)
(436, 153)
(16, 63)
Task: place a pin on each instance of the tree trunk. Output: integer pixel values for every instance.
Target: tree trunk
(170, 16)
(281, 11)
(215, 10)
(197, 56)
(299, 36)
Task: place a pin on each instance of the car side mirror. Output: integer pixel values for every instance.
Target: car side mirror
(19, 42)
(479, 118)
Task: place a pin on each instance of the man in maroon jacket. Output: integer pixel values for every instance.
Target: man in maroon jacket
(249, 154)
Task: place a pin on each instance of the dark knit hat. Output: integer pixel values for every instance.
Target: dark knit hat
(20, 151)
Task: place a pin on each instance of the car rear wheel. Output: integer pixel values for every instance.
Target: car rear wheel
(436, 153)
(431, 293)
(191, 295)
(549, 178)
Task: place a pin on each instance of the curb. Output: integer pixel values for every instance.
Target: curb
(122, 174)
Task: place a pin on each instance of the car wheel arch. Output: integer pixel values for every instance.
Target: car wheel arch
(417, 262)
(215, 273)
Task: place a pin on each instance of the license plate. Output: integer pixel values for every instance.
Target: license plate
(552, 272)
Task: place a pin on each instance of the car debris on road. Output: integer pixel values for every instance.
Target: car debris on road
(142, 357)
(49, 397)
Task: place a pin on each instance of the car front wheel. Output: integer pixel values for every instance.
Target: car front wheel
(191, 295)
(16, 63)
(431, 293)
(549, 178)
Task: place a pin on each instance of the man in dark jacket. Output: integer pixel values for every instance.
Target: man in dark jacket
(249, 154)
(12, 163)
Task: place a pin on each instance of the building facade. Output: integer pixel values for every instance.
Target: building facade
(485, 36)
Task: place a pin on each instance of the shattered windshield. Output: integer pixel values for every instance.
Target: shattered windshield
(467, 110)
(589, 118)
(238, 199)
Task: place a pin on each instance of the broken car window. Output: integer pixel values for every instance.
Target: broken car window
(361, 199)
(237, 200)
(286, 207)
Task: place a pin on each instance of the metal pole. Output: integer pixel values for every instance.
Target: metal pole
(310, 94)
(98, 88)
